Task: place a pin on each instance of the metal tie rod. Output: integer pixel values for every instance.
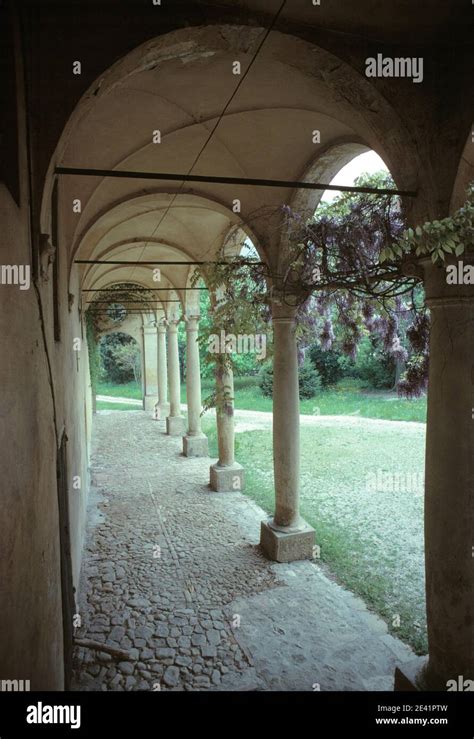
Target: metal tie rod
(149, 264)
(78, 171)
(138, 289)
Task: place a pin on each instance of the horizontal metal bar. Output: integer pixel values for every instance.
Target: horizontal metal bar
(148, 264)
(105, 310)
(138, 289)
(105, 313)
(78, 171)
(123, 302)
(119, 303)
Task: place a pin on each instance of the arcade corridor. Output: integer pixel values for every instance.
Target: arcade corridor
(173, 577)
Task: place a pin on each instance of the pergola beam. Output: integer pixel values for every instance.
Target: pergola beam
(210, 179)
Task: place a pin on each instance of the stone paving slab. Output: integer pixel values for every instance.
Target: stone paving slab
(173, 576)
(311, 634)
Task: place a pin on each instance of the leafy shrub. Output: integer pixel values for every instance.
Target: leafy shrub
(327, 363)
(120, 358)
(309, 380)
(266, 380)
(373, 367)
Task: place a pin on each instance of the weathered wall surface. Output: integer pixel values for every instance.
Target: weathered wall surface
(44, 377)
(31, 613)
(44, 390)
(72, 385)
(30, 616)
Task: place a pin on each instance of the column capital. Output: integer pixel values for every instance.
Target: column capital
(192, 322)
(149, 330)
(282, 313)
(172, 324)
(449, 283)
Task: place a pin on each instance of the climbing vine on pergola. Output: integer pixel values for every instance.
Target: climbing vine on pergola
(352, 260)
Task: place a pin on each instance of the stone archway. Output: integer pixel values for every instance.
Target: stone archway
(309, 77)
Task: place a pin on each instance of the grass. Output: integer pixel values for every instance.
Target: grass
(126, 390)
(347, 399)
(106, 406)
(372, 542)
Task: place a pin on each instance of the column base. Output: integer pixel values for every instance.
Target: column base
(227, 479)
(175, 425)
(282, 546)
(409, 676)
(149, 402)
(195, 446)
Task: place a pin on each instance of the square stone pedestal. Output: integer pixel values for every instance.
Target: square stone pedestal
(227, 479)
(409, 674)
(175, 425)
(195, 446)
(149, 402)
(281, 546)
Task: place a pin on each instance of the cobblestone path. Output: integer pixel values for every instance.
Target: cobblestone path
(172, 577)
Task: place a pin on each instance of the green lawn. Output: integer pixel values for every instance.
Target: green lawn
(101, 405)
(371, 542)
(344, 400)
(127, 390)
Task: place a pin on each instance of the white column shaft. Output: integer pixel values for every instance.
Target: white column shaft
(193, 377)
(173, 370)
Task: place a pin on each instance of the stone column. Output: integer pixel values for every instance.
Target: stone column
(226, 474)
(449, 478)
(175, 421)
(286, 537)
(162, 371)
(150, 369)
(194, 442)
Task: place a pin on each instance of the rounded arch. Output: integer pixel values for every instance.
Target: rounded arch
(342, 92)
(145, 202)
(323, 169)
(133, 296)
(122, 233)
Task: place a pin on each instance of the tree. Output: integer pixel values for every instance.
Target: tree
(309, 380)
(120, 358)
(127, 357)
